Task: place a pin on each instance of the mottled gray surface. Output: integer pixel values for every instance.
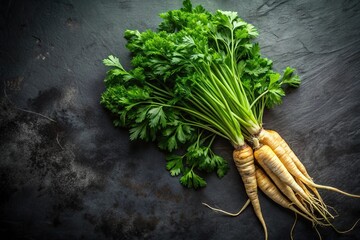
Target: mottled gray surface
(80, 178)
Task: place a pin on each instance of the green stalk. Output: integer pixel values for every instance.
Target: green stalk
(259, 97)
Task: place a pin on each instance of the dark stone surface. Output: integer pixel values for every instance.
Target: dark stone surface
(80, 178)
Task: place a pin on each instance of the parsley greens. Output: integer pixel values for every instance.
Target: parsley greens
(199, 76)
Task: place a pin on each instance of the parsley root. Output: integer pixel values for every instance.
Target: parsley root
(270, 189)
(285, 189)
(291, 162)
(244, 161)
(273, 138)
(286, 155)
(266, 156)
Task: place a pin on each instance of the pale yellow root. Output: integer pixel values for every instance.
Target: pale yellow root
(276, 137)
(345, 231)
(312, 184)
(286, 156)
(270, 189)
(285, 189)
(309, 207)
(319, 202)
(265, 155)
(229, 213)
(292, 228)
(244, 161)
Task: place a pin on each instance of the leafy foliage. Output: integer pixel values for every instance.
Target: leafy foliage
(198, 156)
(198, 76)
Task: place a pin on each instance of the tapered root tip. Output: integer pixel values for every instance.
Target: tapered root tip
(345, 231)
(266, 233)
(228, 213)
(336, 190)
(264, 227)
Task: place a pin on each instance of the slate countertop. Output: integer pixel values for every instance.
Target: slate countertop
(67, 173)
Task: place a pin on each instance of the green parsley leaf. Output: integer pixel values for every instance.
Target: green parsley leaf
(138, 131)
(157, 116)
(290, 78)
(112, 61)
(191, 180)
(174, 164)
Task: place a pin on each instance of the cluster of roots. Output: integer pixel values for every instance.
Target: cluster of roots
(289, 179)
(273, 167)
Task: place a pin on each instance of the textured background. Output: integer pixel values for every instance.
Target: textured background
(80, 178)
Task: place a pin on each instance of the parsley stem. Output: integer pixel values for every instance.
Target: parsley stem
(257, 99)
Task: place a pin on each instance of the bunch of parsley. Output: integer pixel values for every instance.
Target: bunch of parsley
(198, 77)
